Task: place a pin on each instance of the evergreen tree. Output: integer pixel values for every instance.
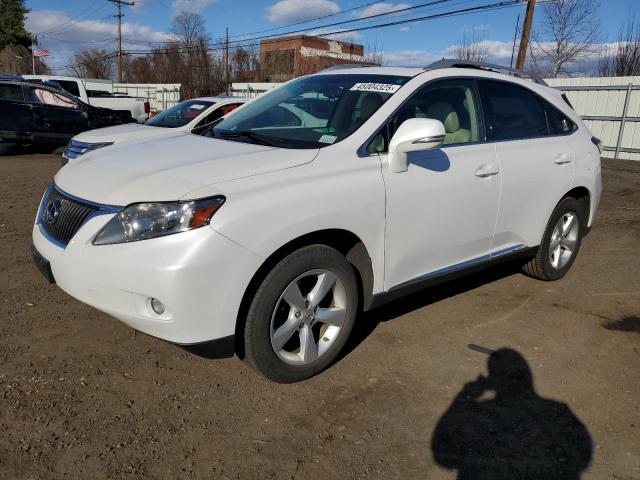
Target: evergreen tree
(12, 31)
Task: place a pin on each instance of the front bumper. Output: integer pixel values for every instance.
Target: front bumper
(200, 276)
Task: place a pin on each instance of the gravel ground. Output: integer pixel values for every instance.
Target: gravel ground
(83, 396)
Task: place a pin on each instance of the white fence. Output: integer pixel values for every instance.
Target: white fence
(251, 89)
(160, 95)
(610, 106)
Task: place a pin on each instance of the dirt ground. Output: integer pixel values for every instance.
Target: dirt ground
(83, 396)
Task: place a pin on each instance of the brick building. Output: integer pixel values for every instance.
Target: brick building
(284, 58)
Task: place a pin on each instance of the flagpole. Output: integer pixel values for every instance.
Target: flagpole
(33, 56)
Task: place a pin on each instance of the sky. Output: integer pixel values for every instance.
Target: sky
(67, 26)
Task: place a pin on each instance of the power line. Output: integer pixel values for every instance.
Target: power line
(465, 11)
(353, 20)
(309, 20)
(252, 42)
(241, 43)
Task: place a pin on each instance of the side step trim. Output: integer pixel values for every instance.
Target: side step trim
(452, 272)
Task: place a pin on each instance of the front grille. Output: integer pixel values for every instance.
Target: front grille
(62, 216)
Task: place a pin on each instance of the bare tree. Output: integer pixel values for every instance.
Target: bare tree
(189, 30)
(244, 64)
(566, 35)
(373, 53)
(624, 59)
(473, 46)
(93, 63)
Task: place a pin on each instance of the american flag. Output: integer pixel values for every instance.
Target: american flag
(38, 52)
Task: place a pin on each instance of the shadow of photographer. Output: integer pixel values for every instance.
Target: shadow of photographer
(514, 434)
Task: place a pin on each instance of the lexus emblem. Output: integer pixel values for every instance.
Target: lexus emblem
(52, 211)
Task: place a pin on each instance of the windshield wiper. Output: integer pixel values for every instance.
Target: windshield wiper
(255, 137)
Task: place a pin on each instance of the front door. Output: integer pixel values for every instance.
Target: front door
(15, 119)
(441, 213)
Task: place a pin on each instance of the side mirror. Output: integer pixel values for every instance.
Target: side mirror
(413, 135)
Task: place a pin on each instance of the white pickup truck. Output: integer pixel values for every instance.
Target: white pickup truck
(138, 108)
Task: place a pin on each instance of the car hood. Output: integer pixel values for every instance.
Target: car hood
(168, 169)
(124, 133)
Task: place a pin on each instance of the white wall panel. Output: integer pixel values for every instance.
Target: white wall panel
(606, 103)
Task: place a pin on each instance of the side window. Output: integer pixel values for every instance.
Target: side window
(11, 92)
(69, 86)
(512, 112)
(558, 123)
(218, 113)
(453, 102)
(47, 97)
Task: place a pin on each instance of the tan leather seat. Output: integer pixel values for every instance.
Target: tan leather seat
(449, 117)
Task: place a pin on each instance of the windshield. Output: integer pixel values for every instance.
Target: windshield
(180, 115)
(312, 112)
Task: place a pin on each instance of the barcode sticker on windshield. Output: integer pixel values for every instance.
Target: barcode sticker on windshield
(376, 87)
(327, 139)
(197, 106)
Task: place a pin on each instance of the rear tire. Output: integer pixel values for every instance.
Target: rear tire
(560, 243)
(301, 314)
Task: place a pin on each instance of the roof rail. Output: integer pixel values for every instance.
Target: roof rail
(342, 66)
(490, 67)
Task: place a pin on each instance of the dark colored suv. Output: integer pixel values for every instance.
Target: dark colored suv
(35, 112)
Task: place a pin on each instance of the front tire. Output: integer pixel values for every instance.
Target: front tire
(301, 315)
(560, 243)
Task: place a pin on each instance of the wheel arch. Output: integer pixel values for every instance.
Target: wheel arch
(345, 241)
(583, 196)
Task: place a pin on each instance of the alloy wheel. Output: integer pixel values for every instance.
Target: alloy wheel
(308, 317)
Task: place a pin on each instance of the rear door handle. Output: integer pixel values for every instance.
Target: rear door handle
(484, 171)
(562, 159)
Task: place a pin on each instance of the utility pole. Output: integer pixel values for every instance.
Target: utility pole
(119, 15)
(515, 37)
(526, 31)
(226, 61)
(33, 53)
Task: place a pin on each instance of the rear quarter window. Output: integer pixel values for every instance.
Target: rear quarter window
(558, 122)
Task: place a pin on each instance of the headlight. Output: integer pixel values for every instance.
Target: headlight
(141, 221)
(76, 148)
(95, 146)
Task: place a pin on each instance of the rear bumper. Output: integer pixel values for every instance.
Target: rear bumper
(200, 276)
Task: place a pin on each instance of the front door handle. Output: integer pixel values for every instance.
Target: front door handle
(562, 159)
(484, 171)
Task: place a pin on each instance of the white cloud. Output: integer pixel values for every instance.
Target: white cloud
(382, 7)
(193, 6)
(290, 11)
(499, 54)
(409, 58)
(74, 36)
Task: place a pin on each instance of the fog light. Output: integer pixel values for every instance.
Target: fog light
(157, 306)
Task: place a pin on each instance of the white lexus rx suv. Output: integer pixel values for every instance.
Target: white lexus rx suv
(267, 238)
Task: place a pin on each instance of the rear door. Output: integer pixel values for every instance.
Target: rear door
(536, 161)
(15, 120)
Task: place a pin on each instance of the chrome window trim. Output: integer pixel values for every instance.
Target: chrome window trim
(362, 152)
